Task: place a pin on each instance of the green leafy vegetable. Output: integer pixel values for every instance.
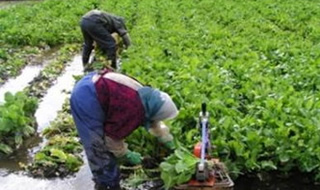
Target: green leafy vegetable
(178, 168)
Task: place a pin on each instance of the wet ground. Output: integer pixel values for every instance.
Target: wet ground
(11, 178)
(19, 181)
(48, 108)
(15, 85)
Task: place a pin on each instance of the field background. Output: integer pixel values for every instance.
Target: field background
(255, 63)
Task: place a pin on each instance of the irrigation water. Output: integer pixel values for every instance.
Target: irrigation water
(11, 178)
(22, 81)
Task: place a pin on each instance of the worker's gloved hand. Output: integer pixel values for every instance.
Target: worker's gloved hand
(167, 141)
(133, 158)
(169, 145)
(126, 40)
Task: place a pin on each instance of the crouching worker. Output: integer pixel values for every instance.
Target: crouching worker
(101, 27)
(108, 107)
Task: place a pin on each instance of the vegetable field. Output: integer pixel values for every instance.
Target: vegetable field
(255, 63)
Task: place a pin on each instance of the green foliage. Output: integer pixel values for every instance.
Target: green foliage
(29, 29)
(5, 148)
(16, 120)
(136, 178)
(178, 168)
(49, 74)
(61, 155)
(58, 158)
(141, 141)
(50, 22)
(255, 63)
(62, 125)
(13, 59)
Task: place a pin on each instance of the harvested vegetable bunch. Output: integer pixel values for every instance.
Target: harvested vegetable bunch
(178, 168)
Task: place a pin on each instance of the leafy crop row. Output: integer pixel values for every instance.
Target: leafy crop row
(60, 156)
(39, 86)
(255, 63)
(26, 29)
(16, 121)
(13, 59)
(49, 22)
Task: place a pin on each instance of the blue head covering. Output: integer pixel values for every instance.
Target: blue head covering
(158, 105)
(152, 102)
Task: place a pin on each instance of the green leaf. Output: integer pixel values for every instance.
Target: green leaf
(165, 166)
(284, 157)
(18, 140)
(268, 165)
(40, 156)
(183, 177)
(73, 163)
(5, 149)
(179, 153)
(59, 154)
(168, 180)
(180, 166)
(9, 98)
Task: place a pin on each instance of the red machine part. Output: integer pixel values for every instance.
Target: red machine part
(218, 180)
(197, 150)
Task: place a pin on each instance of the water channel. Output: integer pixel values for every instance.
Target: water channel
(11, 178)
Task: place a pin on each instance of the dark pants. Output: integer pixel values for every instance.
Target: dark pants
(93, 30)
(89, 118)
